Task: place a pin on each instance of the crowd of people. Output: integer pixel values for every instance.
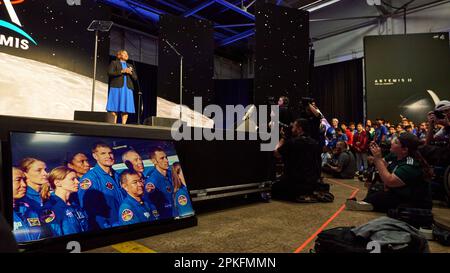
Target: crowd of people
(393, 150)
(75, 198)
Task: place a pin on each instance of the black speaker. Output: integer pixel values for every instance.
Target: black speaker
(93, 116)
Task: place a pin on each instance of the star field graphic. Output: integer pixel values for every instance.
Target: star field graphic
(61, 35)
(194, 40)
(281, 66)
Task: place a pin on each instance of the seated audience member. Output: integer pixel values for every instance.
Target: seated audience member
(345, 166)
(301, 176)
(326, 155)
(404, 174)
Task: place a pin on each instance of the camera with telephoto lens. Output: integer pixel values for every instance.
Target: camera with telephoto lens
(287, 129)
(371, 175)
(305, 101)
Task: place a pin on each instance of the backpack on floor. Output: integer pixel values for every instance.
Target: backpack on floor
(339, 240)
(343, 240)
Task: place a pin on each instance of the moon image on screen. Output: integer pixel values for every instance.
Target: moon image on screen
(30, 88)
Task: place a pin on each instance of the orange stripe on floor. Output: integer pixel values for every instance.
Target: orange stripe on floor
(308, 241)
(132, 247)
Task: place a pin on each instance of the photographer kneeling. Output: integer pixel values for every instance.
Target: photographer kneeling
(404, 174)
(301, 175)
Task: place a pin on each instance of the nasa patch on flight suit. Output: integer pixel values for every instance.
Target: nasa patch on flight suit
(49, 216)
(69, 213)
(149, 187)
(182, 200)
(33, 222)
(85, 184)
(127, 215)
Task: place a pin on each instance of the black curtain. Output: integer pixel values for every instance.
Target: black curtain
(338, 89)
(233, 92)
(147, 83)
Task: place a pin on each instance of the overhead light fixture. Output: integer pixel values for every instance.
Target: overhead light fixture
(318, 5)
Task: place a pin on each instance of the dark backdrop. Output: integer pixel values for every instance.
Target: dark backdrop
(281, 68)
(338, 89)
(233, 92)
(194, 40)
(61, 35)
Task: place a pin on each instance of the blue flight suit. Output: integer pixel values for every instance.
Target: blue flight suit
(158, 190)
(183, 202)
(100, 195)
(133, 212)
(33, 199)
(63, 219)
(27, 223)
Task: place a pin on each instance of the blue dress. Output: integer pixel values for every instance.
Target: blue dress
(121, 99)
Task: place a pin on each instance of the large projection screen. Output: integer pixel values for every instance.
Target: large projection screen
(406, 74)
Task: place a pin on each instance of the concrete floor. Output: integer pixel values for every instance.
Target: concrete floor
(265, 227)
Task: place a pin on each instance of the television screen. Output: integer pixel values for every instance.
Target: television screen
(67, 184)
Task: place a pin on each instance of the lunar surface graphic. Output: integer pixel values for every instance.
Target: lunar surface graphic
(33, 89)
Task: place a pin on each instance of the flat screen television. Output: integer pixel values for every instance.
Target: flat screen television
(72, 182)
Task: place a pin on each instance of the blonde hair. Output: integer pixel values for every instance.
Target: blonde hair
(58, 173)
(25, 166)
(120, 52)
(26, 163)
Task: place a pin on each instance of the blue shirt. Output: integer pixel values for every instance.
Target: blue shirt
(33, 199)
(183, 202)
(159, 191)
(331, 137)
(342, 137)
(27, 223)
(133, 212)
(379, 133)
(62, 218)
(100, 195)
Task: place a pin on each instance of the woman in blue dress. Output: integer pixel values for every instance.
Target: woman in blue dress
(120, 98)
